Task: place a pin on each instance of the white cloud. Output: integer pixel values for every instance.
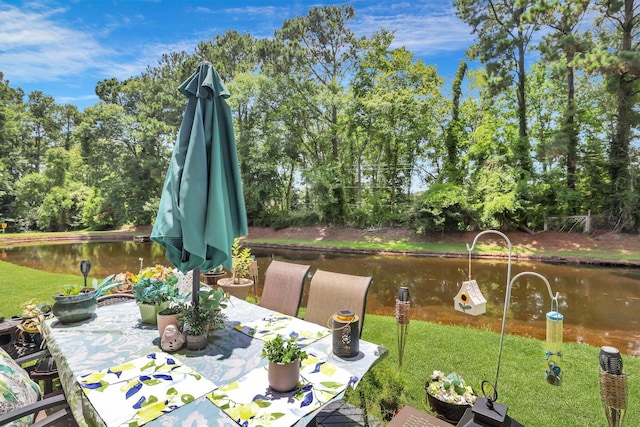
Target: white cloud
(34, 48)
(426, 28)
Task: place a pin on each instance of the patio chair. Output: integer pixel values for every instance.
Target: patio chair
(283, 284)
(20, 396)
(110, 299)
(330, 292)
(31, 350)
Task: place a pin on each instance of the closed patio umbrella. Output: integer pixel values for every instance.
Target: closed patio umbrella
(202, 205)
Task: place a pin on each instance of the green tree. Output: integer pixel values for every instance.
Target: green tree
(70, 117)
(504, 30)
(30, 192)
(452, 171)
(617, 58)
(315, 54)
(44, 123)
(560, 48)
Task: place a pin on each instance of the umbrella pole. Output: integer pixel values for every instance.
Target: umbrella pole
(195, 288)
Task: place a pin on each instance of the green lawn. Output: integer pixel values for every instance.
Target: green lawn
(473, 354)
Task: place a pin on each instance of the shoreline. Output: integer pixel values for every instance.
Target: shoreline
(549, 259)
(321, 238)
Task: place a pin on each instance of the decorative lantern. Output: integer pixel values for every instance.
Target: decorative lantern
(613, 386)
(402, 319)
(346, 339)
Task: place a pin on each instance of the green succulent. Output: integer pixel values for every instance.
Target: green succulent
(150, 290)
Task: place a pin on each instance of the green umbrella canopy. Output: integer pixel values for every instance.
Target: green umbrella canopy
(202, 206)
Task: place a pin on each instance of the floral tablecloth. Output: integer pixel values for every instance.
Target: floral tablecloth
(251, 402)
(143, 389)
(115, 335)
(268, 327)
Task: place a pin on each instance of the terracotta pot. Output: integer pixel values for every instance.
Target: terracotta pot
(238, 290)
(197, 342)
(163, 320)
(75, 308)
(284, 377)
(211, 279)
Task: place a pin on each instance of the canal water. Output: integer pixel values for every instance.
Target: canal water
(601, 306)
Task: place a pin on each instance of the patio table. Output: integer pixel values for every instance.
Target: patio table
(115, 335)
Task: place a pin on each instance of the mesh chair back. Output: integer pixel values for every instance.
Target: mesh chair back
(111, 299)
(283, 284)
(330, 292)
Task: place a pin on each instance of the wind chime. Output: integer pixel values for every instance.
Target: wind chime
(402, 319)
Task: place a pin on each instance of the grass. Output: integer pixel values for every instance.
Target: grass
(20, 284)
(473, 354)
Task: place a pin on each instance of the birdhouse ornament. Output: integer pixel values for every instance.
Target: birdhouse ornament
(469, 299)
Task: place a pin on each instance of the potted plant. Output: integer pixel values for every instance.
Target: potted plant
(74, 303)
(169, 316)
(212, 276)
(107, 285)
(384, 387)
(239, 283)
(284, 362)
(201, 319)
(449, 396)
(29, 337)
(153, 294)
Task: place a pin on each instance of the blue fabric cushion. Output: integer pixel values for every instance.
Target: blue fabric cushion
(16, 388)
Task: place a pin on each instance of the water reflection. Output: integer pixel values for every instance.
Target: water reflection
(599, 305)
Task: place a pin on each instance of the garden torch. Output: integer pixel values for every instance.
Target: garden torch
(402, 319)
(85, 266)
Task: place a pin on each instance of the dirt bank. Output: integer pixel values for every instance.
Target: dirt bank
(543, 246)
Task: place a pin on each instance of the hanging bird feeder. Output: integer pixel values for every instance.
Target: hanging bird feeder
(554, 362)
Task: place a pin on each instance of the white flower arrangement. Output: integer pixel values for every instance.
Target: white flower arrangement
(450, 388)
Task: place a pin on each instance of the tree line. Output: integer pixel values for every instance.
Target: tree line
(333, 128)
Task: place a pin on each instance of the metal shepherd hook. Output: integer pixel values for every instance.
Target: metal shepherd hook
(504, 316)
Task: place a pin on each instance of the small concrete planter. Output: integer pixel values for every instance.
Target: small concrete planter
(164, 320)
(284, 377)
(197, 342)
(238, 290)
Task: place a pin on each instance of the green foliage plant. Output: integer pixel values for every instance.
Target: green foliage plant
(278, 350)
(150, 290)
(207, 315)
(106, 285)
(241, 261)
(71, 290)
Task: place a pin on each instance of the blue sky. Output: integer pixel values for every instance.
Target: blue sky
(64, 48)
